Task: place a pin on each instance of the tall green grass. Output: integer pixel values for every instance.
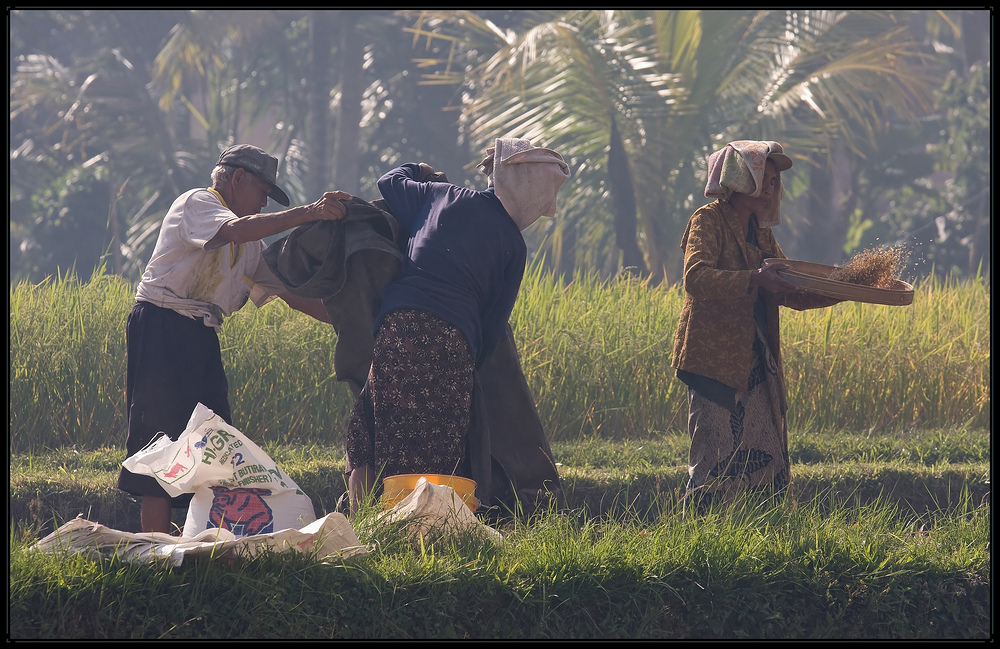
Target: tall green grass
(67, 355)
(791, 571)
(893, 366)
(596, 355)
(67, 376)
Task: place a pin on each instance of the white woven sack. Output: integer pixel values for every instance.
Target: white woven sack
(236, 485)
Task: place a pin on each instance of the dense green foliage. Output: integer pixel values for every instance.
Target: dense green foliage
(886, 112)
(596, 355)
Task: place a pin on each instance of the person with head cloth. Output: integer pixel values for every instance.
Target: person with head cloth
(446, 310)
(727, 348)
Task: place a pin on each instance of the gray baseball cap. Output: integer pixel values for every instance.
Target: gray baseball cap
(255, 160)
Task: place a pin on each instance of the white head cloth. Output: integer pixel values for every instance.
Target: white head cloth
(526, 179)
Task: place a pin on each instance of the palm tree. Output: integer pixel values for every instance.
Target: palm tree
(559, 80)
(115, 113)
(648, 95)
(235, 77)
(81, 134)
(320, 68)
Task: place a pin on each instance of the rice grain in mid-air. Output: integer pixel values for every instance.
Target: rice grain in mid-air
(874, 267)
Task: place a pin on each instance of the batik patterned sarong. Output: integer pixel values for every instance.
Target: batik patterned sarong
(418, 397)
(743, 450)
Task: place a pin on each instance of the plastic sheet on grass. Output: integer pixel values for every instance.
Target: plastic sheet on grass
(330, 537)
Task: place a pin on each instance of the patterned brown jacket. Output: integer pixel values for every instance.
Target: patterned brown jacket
(716, 326)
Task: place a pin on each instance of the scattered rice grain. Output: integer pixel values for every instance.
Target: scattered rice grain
(873, 267)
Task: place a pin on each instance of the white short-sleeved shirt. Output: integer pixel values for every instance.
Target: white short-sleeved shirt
(209, 284)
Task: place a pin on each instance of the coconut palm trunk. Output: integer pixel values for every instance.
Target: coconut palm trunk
(623, 203)
(347, 144)
(320, 44)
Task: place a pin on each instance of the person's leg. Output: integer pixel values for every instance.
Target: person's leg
(710, 456)
(360, 485)
(359, 461)
(147, 362)
(173, 362)
(154, 514)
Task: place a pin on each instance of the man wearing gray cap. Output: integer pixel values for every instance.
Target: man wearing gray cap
(206, 264)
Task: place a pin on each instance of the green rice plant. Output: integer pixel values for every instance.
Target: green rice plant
(596, 355)
(67, 369)
(67, 376)
(282, 384)
(918, 365)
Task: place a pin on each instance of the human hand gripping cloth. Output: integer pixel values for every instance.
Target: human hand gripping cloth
(236, 485)
(739, 167)
(526, 179)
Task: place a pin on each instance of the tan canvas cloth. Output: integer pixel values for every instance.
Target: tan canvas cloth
(434, 510)
(525, 178)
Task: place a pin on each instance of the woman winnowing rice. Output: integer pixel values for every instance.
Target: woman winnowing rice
(727, 347)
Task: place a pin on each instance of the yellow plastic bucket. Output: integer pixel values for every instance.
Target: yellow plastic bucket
(397, 487)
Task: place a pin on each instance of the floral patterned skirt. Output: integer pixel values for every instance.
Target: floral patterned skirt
(743, 450)
(414, 413)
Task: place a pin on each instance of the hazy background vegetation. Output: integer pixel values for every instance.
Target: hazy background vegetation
(113, 113)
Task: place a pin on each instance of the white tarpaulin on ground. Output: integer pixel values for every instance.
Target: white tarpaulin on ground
(329, 537)
(430, 511)
(244, 504)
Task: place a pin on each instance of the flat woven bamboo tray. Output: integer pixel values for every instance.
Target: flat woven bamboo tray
(815, 279)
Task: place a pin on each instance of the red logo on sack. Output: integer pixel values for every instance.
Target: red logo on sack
(175, 471)
(242, 511)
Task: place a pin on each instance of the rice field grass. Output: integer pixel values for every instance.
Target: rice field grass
(886, 533)
(813, 569)
(918, 471)
(596, 356)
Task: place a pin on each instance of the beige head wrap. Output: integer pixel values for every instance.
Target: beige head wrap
(526, 179)
(739, 167)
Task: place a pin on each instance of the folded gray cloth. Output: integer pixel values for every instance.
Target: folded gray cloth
(345, 263)
(312, 260)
